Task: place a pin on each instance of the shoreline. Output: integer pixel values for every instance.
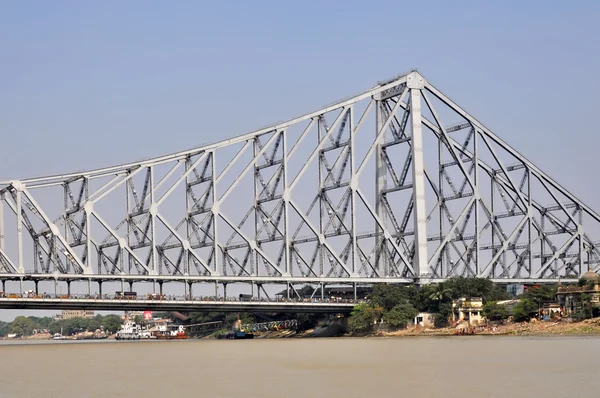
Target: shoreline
(588, 327)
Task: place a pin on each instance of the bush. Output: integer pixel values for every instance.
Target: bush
(494, 312)
(441, 317)
(400, 315)
(524, 310)
(363, 317)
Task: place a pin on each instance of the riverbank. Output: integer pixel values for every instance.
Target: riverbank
(586, 327)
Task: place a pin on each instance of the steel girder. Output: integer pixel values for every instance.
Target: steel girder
(395, 184)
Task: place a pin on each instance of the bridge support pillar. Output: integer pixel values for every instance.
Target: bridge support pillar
(160, 286)
(190, 290)
(55, 287)
(36, 288)
(100, 288)
(355, 287)
(154, 286)
(69, 288)
(4, 286)
(258, 286)
(415, 83)
(322, 291)
(90, 287)
(224, 291)
(131, 286)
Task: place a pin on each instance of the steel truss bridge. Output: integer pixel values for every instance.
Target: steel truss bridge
(397, 184)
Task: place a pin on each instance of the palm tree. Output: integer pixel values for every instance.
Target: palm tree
(440, 293)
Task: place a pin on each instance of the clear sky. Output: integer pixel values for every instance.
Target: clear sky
(88, 84)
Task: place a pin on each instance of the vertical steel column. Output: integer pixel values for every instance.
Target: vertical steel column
(67, 218)
(582, 267)
(493, 221)
(380, 182)
(257, 218)
(88, 230)
(188, 188)
(286, 217)
(215, 214)
(477, 194)
(529, 223)
(320, 193)
(19, 233)
(153, 223)
(128, 185)
(2, 222)
(441, 205)
(100, 289)
(353, 186)
(415, 83)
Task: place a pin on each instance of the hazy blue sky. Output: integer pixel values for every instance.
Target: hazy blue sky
(85, 85)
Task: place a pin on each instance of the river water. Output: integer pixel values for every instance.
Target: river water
(469, 366)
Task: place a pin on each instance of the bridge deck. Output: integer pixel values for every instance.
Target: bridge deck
(176, 305)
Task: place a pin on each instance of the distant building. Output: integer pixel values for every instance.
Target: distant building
(132, 314)
(425, 319)
(68, 314)
(571, 297)
(515, 289)
(468, 309)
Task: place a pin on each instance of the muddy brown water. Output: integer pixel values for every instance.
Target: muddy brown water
(476, 366)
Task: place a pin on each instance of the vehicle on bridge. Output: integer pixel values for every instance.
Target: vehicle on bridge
(126, 295)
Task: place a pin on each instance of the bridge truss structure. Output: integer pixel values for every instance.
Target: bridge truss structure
(397, 184)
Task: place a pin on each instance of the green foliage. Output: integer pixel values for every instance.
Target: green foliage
(442, 316)
(387, 296)
(5, 328)
(23, 326)
(400, 315)
(440, 292)
(494, 312)
(476, 287)
(525, 309)
(112, 323)
(541, 294)
(363, 317)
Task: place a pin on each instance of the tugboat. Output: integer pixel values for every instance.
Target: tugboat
(163, 333)
(59, 336)
(132, 331)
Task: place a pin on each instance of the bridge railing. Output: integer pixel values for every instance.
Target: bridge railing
(171, 298)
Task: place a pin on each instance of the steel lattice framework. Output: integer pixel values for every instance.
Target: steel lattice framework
(397, 184)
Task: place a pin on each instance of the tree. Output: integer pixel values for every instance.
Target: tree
(23, 326)
(476, 287)
(399, 316)
(540, 294)
(441, 317)
(440, 292)
(495, 312)
(363, 317)
(387, 296)
(112, 323)
(525, 309)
